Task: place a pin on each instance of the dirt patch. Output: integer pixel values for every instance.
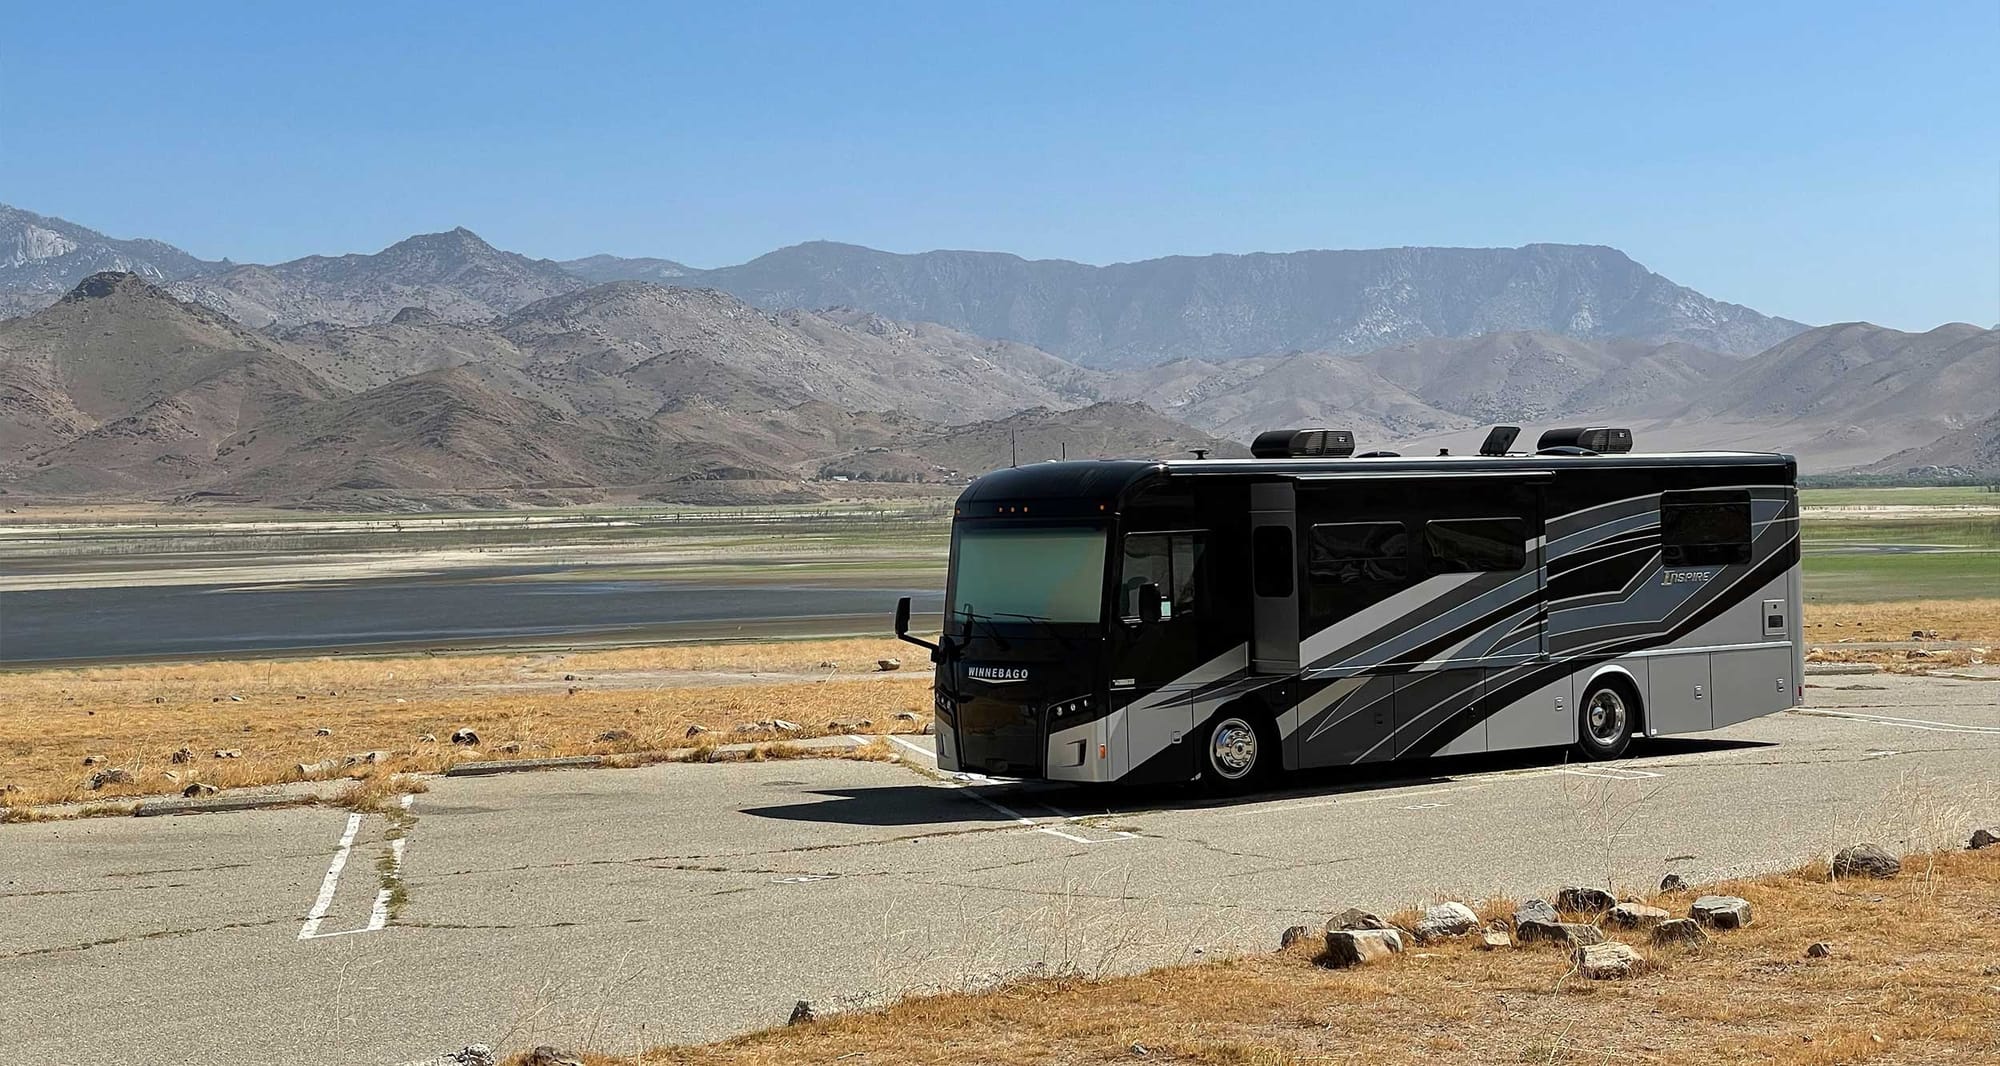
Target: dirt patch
(241, 723)
(1910, 978)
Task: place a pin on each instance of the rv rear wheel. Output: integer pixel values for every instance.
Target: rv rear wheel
(1237, 751)
(1606, 718)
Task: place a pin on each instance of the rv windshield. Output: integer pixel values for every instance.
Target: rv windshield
(1048, 573)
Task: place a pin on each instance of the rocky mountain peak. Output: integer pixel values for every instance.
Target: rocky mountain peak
(108, 283)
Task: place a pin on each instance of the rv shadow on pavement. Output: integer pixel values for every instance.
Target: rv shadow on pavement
(903, 805)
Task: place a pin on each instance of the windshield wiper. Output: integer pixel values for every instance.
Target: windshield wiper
(1053, 629)
(991, 630)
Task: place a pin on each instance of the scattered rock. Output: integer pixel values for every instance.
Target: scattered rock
(1680, 931)
(228, 753)
(614, 736)
(198, 790)
(569, 677)
(1585, 900)
(512, 747)
(1635, 916)
(169, 775)
(1923, 634)
(849, 725)
(888, 664)
(1294, 935)
(802, 1012)
(828, 664)
(1609, 961)
(464, 736)
(1535, 910)
(1568, 934)
(112, 776)
(1352, 947)
(365, 758)
(431, 738)
(1673, 883)
(1820, 950)
(236, 699)
(1495, 939)
(696, 730)
(322, 731)
(928, 729)
(1984, 838)
(906, 716)
(9, 787)
(1865, 860)
(783, 726)
(1446, 920)
(473, 1055)
(312, 769)
(747, 727)
(1720, 912)
(1354, 918)
(94, 760)
(549, 1056)
(182, 756)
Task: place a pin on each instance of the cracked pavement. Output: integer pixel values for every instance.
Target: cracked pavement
(617, 908)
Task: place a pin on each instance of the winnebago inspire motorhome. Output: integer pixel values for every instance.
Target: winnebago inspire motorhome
(1129, 620)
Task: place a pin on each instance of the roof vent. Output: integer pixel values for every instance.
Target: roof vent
(1303, 444)
(1499, 440)
(1603, 440)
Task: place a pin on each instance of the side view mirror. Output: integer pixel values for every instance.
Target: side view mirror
(1149, 603)
(903, 626)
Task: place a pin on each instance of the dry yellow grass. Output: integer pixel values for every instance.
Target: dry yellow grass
(136, 718)
(1971, 620)
(1914, 978)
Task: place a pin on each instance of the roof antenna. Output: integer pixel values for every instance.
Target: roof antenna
(1444, 451)
(1200, 453)
(1013, 453)
(1065, 449)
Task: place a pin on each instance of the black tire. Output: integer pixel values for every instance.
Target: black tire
(1238, 750)
(1606, 718)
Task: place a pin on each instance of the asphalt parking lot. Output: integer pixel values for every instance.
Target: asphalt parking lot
(618, 908)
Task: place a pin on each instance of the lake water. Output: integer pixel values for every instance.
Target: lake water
(191, 620)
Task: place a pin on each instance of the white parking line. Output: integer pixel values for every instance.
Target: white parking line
(928, 753)
(331, 883)
(1907, 723)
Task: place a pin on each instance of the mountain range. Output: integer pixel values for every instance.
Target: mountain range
(445, 372)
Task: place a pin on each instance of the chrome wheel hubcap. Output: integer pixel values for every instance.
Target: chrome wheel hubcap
(1607, 716)
(1232, 749)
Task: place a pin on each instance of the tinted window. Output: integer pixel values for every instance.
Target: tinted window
(1704, 528)
(1358, 551)
(1169, 560)
(1471, 545)
(1272, 548)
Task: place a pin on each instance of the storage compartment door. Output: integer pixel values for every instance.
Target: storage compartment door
(1274, 586)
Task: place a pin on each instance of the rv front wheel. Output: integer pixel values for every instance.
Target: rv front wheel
(1605, 720)
(1237, 752)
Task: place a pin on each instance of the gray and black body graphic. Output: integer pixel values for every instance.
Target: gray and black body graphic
(1102, 614)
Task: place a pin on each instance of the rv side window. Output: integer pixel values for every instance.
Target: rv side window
(1172, 561)
(1472, 545)
(1704, 528)
(1359, 551)
(1271, 547)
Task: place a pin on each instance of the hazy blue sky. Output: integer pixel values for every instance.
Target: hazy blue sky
(1823, 161)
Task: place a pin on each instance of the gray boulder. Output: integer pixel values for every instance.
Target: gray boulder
(1673, 883)
(1495, 939)
(1585, 900)
(1685, 931)
(802, 1012)
(1984, 838)
(198, 790)
(1635, 916)
(546, 1055)
(1865, 860)
(1568, 934)
(1720, 912)
(1354, 918)
(1446, 920)
(888, 664)
(1819, 950)
(1536, 910)
(1294, 935)
(614, 736)
(466, 737)
(1610, 961)
(1352, 947)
